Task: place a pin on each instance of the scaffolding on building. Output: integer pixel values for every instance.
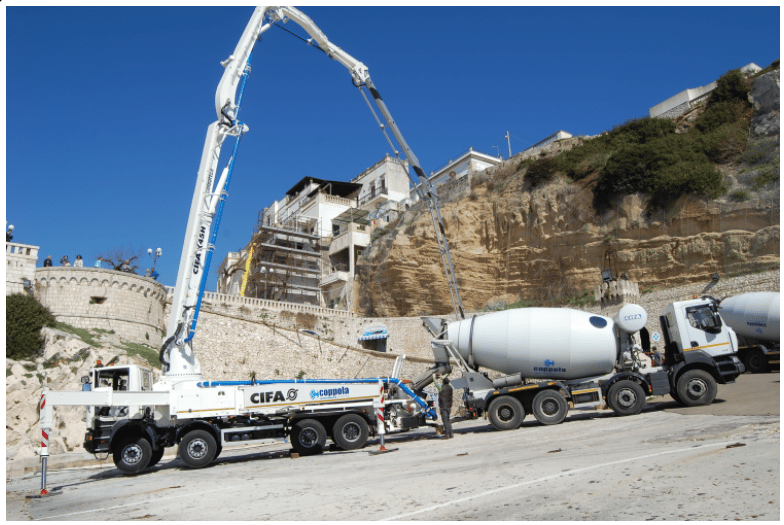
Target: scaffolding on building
(286, 261)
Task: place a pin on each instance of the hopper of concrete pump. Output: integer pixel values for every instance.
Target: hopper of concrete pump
(544, 343)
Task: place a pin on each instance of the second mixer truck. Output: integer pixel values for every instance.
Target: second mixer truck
(756, 318)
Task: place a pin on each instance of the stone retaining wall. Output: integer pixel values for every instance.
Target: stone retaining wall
(130, 305)
(408, 336)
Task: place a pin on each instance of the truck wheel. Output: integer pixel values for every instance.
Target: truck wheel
(350, 432)
(506, 413)
(696, 387)
(132, 455)
(626, 398)
(198, 448)
(308, 437)
(676, 397)
(156, 457)
(756, 362)
(550, 407)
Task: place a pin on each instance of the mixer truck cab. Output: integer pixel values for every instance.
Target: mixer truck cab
(700, 350)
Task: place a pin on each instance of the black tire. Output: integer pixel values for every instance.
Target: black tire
(506, 413)
(696, 387)
(198, 448)
(156, 457)
(756, 362)
(132, 455)
(350, 432)
(626, 398)
(308, 437)
(676, 397)
(550, 407)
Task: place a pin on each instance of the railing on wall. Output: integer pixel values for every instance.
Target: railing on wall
(217, 299)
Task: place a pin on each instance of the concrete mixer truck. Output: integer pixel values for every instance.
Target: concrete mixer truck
(756, 318)
(557, 358)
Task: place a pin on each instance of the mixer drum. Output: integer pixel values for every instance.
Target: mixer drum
(544, 343)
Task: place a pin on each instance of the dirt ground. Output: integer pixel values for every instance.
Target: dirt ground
(720, 462)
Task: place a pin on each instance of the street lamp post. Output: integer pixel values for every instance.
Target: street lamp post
(158, 252)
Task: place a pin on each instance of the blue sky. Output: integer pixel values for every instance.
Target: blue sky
(107, 108)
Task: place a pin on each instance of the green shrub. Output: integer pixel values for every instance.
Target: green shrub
(665, 169)
(726, 112)
(739, 196)
(541, 170)
(24, 318)
(82, 333)
(522, 303)
(725, 143)
(762, 151)
(731, 86)
(149, 354)
(686, 178)
(640, 131)
(768, 174)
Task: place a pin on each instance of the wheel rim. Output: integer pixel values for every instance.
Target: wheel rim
(132, 454)
(627, 398)
(308, 438)
(351, 432)
(505, 413)
(197, 448)
(756, 362)
(696, 388)
(550, 407)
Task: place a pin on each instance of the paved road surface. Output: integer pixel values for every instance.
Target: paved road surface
(666, 463)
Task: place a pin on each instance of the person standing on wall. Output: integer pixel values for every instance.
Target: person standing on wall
(48, 262)
(79, 262)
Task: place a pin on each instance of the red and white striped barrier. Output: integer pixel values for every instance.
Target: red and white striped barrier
(380, 415)
(44, 449)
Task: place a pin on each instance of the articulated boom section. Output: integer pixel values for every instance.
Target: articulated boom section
(177, 355)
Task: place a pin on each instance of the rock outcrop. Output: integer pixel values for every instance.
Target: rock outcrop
(508, 241)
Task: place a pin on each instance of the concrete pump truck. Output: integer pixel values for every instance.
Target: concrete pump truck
(133, 420)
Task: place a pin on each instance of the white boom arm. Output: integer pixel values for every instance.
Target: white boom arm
(180, 363)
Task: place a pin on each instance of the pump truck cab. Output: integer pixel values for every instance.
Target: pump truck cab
(558, 358)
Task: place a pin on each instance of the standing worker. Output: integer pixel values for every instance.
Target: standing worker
(445, 405)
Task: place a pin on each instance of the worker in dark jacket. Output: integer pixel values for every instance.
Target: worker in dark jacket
(445, 406)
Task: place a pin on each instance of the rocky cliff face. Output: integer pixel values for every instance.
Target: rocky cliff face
(508, 241)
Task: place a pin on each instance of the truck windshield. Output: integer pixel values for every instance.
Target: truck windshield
(703, 318)
(115, 379)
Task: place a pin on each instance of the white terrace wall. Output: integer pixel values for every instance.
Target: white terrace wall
(20, 262)
(129, 304)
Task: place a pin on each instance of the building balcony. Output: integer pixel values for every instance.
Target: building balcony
(333, 279)
(352, 235)
(374, 197)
